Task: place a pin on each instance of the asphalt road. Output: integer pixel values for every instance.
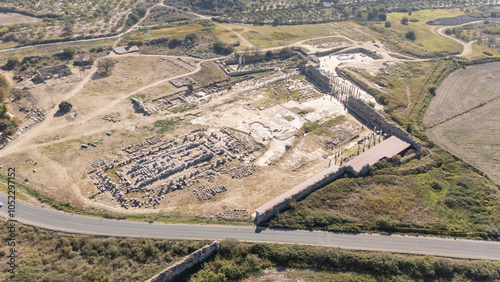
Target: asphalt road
(71, 223)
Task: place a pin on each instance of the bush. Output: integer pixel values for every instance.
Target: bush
(411, 35)
(11, 63)
(222, 48)
(432, 89)
(387, 24)
(65, 106)
(382, 99)
(404, 20)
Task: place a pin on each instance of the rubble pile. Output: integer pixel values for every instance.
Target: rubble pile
(232, 214)
(203, 193)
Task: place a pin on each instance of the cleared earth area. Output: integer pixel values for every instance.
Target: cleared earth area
(463, 117)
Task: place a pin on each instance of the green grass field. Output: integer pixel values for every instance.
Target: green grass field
(274, 36)
(431, 43)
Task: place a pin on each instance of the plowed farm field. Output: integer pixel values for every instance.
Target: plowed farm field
(464, 117)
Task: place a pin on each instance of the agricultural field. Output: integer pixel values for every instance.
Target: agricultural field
(467, 125)
(13, 18)
(68, 21)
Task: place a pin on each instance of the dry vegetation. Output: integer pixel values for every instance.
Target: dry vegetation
(52, 256)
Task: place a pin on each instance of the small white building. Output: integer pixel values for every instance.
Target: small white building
(345, 57)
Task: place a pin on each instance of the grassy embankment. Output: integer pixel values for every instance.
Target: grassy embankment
(46, 255)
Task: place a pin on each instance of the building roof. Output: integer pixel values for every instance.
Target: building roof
(133, 49)
(125, 49)
(385, 149)
(120, 50)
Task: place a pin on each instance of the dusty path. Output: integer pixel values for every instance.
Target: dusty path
(467, 46)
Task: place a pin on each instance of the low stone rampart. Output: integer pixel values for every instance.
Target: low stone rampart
(186, 263)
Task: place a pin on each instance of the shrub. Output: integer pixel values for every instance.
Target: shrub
(432, 89)
(411, 35)
(387, 24)
(404, 20)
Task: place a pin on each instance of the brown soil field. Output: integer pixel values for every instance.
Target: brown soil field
(463, 90)
(463, 117)
(13, 18)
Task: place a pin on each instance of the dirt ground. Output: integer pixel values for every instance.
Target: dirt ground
(13, 18)
(463, 117)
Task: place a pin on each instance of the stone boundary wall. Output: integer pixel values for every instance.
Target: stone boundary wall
(319, 77)
(186, 263)
(331, 51)
(260, 217)
(374, 118)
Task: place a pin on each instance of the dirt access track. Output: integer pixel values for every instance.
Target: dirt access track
(463, 117)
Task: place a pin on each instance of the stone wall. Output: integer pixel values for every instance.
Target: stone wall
(321, 79)
(186, 263)
(374, 118)
(260, 217)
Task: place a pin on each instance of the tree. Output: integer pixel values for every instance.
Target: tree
(432, 89)
(174, 43)
(11, 63)
(68, 53)
(404, 20)
(191, 37)
(105, 66)
(372, 14)
(190, 87)
(387, 24)
(382, 17)
(411, 35)
(3, 110)
(65, 106)
(448, 31)
(269, 53)
(68, 30)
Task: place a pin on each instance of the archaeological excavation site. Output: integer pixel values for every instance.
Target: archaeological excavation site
(232, 139)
